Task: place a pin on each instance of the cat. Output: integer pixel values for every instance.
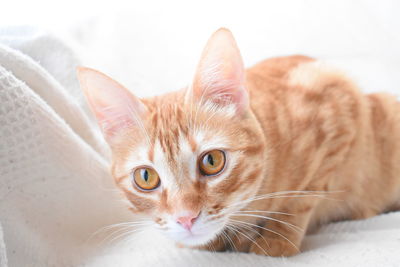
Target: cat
(250, 160)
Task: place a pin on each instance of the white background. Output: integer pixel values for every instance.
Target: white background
(153, 46)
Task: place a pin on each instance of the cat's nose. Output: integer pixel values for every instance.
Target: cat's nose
(188, 220)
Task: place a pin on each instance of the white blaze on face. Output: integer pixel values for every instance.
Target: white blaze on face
(163, 168)
(188, 158)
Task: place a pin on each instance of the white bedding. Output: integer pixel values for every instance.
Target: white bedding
(55, 190)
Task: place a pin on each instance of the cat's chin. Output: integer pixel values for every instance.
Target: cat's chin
(196, 240)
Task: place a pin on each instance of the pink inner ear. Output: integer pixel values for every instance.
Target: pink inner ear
(114, 106)
(220, 74)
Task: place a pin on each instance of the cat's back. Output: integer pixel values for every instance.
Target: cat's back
(298, 89)
(268, 82)
(289, 93)
(278, 67)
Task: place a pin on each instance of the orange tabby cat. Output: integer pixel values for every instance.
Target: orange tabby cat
(251, 160)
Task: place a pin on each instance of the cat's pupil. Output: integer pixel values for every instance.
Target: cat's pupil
(210, 159)
(145, 175)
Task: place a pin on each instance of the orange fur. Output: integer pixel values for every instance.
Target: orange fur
(323, 135)
(311, 147)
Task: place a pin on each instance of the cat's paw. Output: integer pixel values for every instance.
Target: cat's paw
(274, 248)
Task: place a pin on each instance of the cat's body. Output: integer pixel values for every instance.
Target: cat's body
(323, 135)
(250, 162)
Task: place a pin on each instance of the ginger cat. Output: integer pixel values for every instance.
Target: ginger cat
(249, 160)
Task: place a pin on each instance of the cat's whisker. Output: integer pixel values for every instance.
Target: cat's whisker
(311, 195)
(223, 237)
(226, 211)
(119, 225)
(291, 194)
(211, 246)
(128, 233)
(256, 211)
(126, 223)
(252, 230)
(269, 230)
(229, 239)
(250, 239)
(122, 230)
(269, 212)
(125, 231)
(278, 193)
(228, 227)
(231, 227)
(232, 243)
(123, 225)
(128, 236)
(258, 197)
(111, 235)
(291, 226)
(285, 194)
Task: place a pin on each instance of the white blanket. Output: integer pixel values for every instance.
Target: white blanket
(56, 192)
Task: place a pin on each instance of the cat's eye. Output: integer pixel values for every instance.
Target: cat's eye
(146, 178)
(212, 162)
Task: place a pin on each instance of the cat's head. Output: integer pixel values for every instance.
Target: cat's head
(189, 159)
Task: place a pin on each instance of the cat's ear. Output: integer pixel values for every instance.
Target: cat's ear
(113, 105)
(220, 75)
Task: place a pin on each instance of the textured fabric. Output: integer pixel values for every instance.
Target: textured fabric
(56, 192)
(55, 189)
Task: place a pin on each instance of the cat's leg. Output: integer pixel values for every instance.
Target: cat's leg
(283, 235)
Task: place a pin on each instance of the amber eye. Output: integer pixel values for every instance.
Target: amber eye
(212, 162)
(146, 178)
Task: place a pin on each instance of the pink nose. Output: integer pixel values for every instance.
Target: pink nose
(188, 220)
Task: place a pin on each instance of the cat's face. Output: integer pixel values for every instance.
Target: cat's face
(187, 160)
(192, 171)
